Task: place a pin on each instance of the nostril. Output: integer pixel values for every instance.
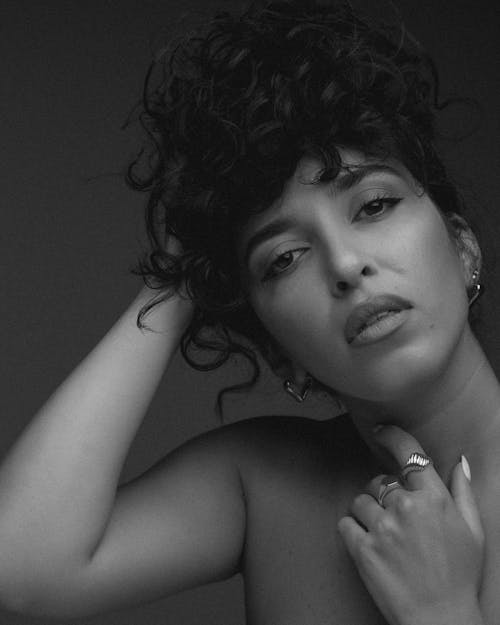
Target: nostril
(342, 285)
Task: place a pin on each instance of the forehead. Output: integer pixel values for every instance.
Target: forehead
(309, 170)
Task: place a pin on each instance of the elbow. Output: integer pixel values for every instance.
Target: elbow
(32, 605)
(17, 589)
(18, 601)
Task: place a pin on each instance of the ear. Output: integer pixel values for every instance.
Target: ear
(466, 244)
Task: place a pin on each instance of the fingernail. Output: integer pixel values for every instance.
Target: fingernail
(465, 467)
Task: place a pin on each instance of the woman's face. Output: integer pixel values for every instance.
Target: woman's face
(324, 248)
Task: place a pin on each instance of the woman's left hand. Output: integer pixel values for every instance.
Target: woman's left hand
(420, 555)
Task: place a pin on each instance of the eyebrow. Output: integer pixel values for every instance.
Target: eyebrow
(347, 179)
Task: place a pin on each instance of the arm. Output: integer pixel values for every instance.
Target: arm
(68, 544)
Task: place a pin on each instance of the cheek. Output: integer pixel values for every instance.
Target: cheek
(438, 274)
(304, 322)
(298, 315)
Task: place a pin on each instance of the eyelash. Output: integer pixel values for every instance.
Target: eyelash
(390, 202)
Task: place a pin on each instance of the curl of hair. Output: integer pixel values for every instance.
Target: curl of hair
(229, 112)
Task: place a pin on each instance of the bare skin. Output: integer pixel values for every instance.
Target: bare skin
(300, 477)
(301, 481)
(262, 497)
(338, 245)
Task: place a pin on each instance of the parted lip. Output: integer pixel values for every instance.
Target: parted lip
(362, 314)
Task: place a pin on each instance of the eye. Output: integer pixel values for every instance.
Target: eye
(282, 262)
(379, 205)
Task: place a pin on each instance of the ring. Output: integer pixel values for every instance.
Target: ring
(388, 484)
(415, 463)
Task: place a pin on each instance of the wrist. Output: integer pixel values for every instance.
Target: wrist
(175, 312)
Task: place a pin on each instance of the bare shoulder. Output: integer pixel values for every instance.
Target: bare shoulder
(300, 477)
(298, 449)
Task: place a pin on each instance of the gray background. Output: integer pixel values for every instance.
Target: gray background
(70, 229)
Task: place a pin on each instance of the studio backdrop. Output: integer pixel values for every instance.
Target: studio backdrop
(71, 72)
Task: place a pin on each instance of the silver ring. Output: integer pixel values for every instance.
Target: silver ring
(388, 484)
(416, 462)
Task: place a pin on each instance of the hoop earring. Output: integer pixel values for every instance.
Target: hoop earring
(301, 395)
(476, 290)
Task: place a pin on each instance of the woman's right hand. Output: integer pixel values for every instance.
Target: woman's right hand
(180, 306)
(174, 247)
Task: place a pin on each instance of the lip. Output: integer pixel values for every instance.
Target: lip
(361, 315)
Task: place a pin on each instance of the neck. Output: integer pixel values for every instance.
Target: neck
(453, 414)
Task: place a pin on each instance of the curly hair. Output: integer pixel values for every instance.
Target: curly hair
(231, 109)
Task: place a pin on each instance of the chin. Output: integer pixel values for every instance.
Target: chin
(407, 378)
(404, 373)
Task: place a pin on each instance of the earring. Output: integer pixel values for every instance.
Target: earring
(301, 395)
(477, 289)
(340, 406)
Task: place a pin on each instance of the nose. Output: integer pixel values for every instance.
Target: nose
(346, 267)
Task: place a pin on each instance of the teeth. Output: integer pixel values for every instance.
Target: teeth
(384, 314)
(376, 318)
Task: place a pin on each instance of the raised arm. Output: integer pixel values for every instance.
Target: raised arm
(69, 544)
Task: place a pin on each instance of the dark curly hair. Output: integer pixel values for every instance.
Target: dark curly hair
(231, 109)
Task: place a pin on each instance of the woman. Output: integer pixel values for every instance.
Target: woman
(307, 211)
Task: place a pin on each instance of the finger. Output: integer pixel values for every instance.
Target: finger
(366, 511)
(462, 494)
(384, 486)
(352, 534)
(401, 446)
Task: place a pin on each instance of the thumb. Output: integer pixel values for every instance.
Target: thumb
(461, 491)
